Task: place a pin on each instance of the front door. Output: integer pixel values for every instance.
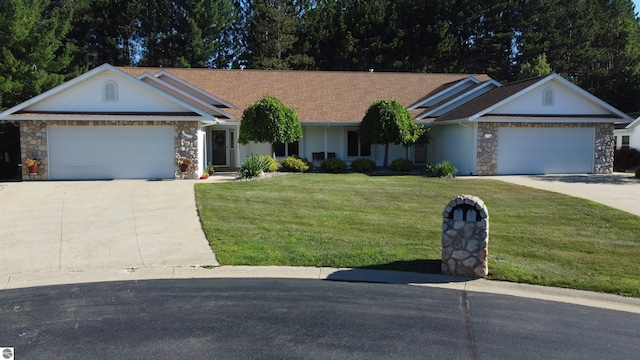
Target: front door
(9, 151)
(220, 147)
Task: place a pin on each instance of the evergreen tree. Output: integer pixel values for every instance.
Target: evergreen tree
(538, 67)
(34, 55)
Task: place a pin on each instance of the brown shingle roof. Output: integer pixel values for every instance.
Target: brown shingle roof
(486, 100)
(319, 96)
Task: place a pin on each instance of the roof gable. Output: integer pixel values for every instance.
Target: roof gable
(84, 95)
(183, 95)
(524, 99)
(447, 91)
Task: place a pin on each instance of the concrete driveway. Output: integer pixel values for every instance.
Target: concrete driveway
(619, 190)
(66, 227)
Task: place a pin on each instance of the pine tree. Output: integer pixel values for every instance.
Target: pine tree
(34, 55)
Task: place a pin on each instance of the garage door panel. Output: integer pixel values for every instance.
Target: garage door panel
(545, 150)
(103, 152)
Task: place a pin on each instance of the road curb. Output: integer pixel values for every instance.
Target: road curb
(578, 297)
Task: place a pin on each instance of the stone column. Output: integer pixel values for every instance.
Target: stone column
(465, 237)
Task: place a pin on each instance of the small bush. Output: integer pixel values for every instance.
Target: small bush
(638, 173)
(334, 165)
(294, 164)
(444, 169)
(625, 159)
(273, 164)
(363, 165)
(253, 166)
(401, 165)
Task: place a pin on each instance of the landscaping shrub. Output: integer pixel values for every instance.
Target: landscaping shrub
(625, 159)
(363, 165)
(334, 165)
(272, 164)
(254, 165)
(444, 169)
(401, 164)
(294, 164)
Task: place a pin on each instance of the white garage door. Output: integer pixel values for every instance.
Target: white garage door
(545, 150)
(110, 152)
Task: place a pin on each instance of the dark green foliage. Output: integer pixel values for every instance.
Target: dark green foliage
(625, 159)
(444, 169)
(35, 55)
(334, 166)
(269, 121)
(401, 164)
(253, 166)
(363, 165)
(294, 164)
(388, 122)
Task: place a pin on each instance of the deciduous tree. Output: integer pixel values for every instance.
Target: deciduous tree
(387, 122)
(269, 121)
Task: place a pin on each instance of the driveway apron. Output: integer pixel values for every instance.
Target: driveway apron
(97, 225)
(619, 190)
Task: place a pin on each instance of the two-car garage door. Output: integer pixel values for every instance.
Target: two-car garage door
(110, 152)
(549, 150)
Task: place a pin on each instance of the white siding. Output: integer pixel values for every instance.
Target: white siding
(456, 144)
(634, 138)
(87, 97)
(565, 102)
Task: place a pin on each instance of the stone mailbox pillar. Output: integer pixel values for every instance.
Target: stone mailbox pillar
(465, 237)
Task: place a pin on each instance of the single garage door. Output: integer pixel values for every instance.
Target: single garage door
(545, 150)
(110, 152)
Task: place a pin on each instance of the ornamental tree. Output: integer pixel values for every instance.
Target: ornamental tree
(386, 122)
(269, 120)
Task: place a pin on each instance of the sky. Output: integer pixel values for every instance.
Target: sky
(637, 4)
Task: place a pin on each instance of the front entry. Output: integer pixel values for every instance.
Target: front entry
(9, 151)
(219, 157)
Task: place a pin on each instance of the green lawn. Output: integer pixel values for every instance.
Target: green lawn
(395, 222)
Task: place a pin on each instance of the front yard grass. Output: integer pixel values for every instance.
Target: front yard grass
(395, 222)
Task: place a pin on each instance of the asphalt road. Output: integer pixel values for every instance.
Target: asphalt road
(302, 319)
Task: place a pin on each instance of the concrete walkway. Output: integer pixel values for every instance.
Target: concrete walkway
(83, 226)
(620, 190)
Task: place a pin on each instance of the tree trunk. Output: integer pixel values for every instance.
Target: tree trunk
(386, 155)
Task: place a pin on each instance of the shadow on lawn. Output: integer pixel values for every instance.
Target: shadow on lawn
(398, 272)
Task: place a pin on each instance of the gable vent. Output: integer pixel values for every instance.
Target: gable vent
(110, 91)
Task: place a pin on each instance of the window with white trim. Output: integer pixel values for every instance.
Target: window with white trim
(547, 97)
(625, 142)
(288, 149)
(110, 91)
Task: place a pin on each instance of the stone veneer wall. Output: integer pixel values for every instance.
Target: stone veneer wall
(33, 140)
(488, 147)
(465, 237)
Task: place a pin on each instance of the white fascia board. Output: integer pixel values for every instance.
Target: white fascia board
(443, 92)
(461, 97)
(195, 89)
(564, 82)
(633, 124)
(90, 117)
(89, 74)
(330, 124)
(549, 119)
(64, 86)
(158, 81)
